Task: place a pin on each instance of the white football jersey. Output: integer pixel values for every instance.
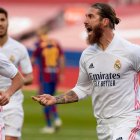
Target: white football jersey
(111, 78)
(18, 55)
(7, 69)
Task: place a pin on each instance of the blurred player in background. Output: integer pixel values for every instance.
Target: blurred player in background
(109, 73)
(7, 69)
(17, 53)
(51, 67)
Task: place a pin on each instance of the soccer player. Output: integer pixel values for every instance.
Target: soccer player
(18, 55)
(51, 66)
(7, 69)
(109, 73)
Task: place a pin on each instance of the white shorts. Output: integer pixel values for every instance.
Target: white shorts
(13, 116)
(119, 129)
(2, 132)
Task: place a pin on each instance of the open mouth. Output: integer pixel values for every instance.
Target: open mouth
(89, 30)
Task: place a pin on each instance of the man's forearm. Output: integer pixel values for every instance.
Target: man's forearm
(17, 83)
(28, 79)
(68, 97)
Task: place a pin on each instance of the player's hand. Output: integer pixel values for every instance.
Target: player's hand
(4, 98)
(45, 99)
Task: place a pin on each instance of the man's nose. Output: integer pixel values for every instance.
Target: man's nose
(86, 21)
(1, 22)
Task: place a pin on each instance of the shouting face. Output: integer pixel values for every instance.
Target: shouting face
(93, 25)
(3, 25)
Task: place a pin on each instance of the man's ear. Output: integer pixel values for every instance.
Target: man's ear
(105, 22)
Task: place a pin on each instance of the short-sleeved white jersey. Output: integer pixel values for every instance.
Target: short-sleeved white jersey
(18, 55)
(8, 70)
(111, 78)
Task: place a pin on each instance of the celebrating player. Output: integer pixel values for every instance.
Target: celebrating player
(109, 73)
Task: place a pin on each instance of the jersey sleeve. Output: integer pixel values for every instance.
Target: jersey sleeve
(25, 63)
(84, 86)
(7, 69)
(136, 57)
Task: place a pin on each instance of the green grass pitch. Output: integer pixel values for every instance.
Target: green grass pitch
(78, 121)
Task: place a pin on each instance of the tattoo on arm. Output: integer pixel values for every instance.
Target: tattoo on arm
(68, 97)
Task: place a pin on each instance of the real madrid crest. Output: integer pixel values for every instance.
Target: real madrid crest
(12, 58)
(117, 65)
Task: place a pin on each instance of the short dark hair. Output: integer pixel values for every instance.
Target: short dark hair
(3, 11)
(106, 11)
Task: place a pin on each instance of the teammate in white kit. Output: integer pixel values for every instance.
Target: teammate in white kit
(7, 69)
(109, 70)
(18, 55)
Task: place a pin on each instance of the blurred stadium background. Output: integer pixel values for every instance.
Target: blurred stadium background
(64, 21)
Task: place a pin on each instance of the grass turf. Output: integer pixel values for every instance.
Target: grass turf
(78, 121)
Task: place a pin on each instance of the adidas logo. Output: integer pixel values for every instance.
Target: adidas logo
(91, 66)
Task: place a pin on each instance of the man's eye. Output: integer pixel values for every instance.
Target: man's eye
(2, 19)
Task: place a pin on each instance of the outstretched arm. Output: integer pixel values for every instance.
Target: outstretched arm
(46, 99)
(68, 97)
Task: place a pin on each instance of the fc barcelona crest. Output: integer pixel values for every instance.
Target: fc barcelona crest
(117, 65)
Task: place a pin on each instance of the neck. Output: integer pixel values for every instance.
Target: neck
(106, 39)
(3, 40)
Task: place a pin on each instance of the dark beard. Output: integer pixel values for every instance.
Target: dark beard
(97, 33)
